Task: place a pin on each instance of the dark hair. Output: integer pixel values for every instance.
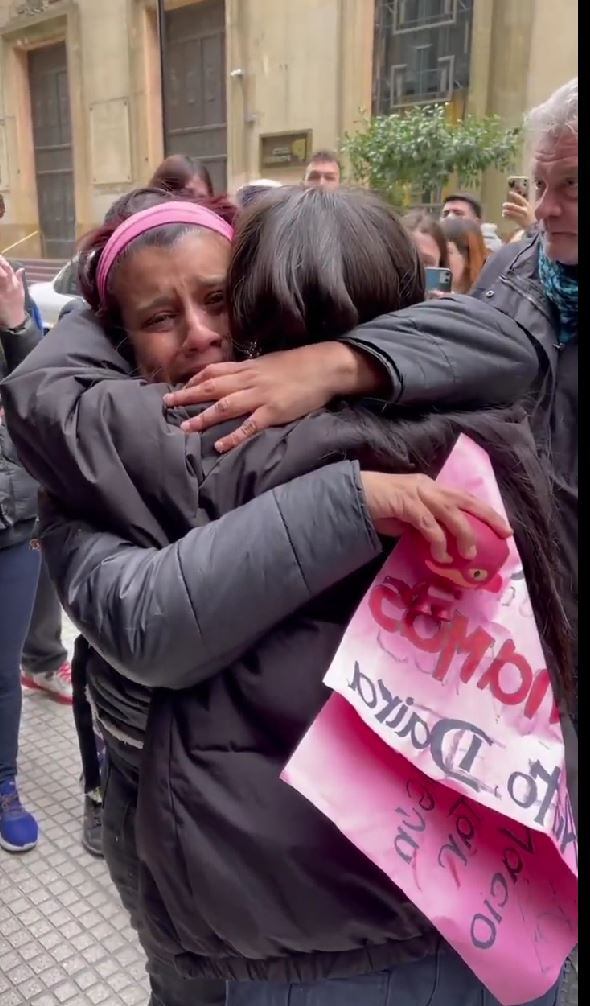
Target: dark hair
(424, 223)
(467, 236)
(310, 264)
(325, 155)
(248, 194)
(93, 244)
(465, 197)
(177, 171)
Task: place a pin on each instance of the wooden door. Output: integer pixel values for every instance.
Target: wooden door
(50, 109)
(195, 91)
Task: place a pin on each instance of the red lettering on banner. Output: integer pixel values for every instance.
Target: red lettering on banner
(430, 643)
(381, 596)
(541, 685)
(458, 641)
(491, 678)
(455, 638)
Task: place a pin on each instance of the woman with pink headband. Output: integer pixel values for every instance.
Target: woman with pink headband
(267, 890)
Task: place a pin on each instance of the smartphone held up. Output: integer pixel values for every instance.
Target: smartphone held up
(519, 184)
(437, 281)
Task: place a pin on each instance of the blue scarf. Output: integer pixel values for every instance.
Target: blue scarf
(561, 287)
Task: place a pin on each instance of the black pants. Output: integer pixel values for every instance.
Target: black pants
(120, 852)
(44, 651)
(87, 741)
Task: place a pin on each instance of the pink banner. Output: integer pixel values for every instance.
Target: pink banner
(445, 764)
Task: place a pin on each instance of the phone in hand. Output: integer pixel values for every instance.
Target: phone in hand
(520, 184)
(438, 279)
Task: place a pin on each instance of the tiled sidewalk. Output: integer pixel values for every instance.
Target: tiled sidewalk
(64, 937)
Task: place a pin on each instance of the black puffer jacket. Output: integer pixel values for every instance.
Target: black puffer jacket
(243, 878)
(73, 410)
(18, 491)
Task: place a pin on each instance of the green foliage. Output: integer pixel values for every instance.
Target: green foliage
(419, 148)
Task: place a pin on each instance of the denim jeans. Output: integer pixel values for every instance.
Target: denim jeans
(168, 988)
(19, 570)
(441, 980)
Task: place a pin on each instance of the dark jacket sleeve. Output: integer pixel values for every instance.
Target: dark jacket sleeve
(173, 616)
(455, 351)
(100, 443)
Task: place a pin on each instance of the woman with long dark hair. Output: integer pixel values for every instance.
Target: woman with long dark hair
(467, 251)
(239, 876)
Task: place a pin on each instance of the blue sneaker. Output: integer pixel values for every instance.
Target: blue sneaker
(19, 831)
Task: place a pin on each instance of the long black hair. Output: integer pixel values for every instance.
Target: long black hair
(309, 264)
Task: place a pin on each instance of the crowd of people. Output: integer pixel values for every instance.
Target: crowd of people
(230, 431)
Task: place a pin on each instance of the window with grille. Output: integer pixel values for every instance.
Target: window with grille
(422, 52)
(411, 14)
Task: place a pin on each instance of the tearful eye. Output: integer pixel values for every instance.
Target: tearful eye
(216, 301)
(158, 320)
(478, 575)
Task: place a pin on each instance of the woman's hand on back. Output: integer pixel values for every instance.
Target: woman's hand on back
(397, 502)
(276, 389)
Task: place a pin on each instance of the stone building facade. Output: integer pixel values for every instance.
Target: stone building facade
(92, 94)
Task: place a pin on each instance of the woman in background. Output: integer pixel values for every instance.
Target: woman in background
(428, 236)
(180, 173)
(19, 562)
(467, 252)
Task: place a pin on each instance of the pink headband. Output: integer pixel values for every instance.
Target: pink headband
(172, 212)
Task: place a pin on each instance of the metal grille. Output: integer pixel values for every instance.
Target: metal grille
(422, 52)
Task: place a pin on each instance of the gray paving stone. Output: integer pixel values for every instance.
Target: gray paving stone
(12, 998)
(19, 975)
(65, 939)
(31, 987)
(64, 992)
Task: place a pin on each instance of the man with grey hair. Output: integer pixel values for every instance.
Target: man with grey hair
(536, 283)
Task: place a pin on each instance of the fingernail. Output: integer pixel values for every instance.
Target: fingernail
(470, 553)
(167, 399)
(186, 425)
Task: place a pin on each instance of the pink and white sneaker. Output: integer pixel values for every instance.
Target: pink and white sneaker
(56, 684)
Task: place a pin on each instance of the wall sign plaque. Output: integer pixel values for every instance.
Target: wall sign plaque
(285, 150)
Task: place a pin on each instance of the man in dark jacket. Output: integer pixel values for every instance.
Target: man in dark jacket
(536, 283)
(19, 563)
